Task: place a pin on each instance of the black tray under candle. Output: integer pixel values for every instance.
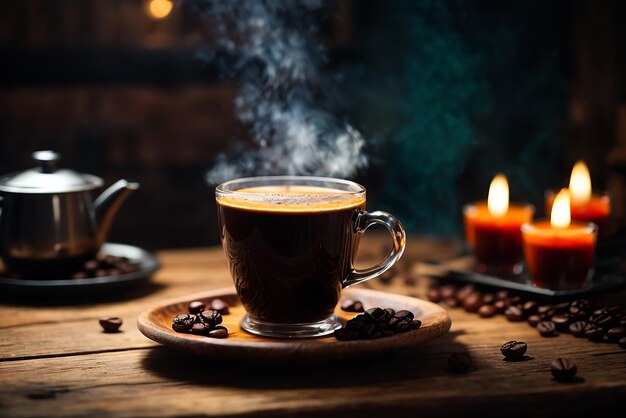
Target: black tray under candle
(609, 274)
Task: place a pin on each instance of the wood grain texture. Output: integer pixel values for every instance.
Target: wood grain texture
(156, 324)
(55, 361)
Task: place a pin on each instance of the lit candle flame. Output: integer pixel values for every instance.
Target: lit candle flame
(160, 9)
(580, 184)
(498, 199)
(560, 216)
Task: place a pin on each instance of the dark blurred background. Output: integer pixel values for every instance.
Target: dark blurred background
(445, 93)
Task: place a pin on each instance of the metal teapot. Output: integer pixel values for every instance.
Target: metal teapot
(48, 221)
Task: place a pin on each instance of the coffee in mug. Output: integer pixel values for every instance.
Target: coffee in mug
(290, 243)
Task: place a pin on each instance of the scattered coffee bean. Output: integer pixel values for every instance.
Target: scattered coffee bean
(404, 314)
(80, 275)
(581, 305)
(563, 369)
(459, 362)
(515, 300)
(547, 329)
(577, 329)
(615, 334)
(183, 322)
(546, 312)
(377, 323)
(530, 307)
(514, 349)
(434, 295)
(200, 328)
(487, 311)
(111, 324)
(502, 294)
(464, 292)
(91, 266)
(622, 342)
(594, 334)
(218, 332)
(220, 306)
(108, 266)
(448, 291)
(602, 318)
(472, 302)
(514, 313)
(533, 320)
(561, 321)
(210, 317)
(502, 304)
(196, 307)
(350, 305)
(489, 298)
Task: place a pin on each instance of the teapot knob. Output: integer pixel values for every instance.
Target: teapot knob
(47, 160)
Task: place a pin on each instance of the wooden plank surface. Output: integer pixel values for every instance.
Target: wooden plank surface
(55, 361)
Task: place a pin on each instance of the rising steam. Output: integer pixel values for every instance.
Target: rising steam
(283, 97)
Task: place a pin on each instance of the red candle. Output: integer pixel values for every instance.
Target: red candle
(585, 206)
(493, 229)
(559, 253)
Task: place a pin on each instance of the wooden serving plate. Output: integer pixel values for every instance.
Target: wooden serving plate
(156, 324)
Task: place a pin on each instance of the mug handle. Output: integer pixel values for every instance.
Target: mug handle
(363, 221)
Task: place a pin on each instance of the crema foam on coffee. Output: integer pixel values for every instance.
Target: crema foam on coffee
(291, 198)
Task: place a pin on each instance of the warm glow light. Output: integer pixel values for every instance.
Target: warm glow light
(160, 9)
(580, 184)
(498, 199)
(560, 216)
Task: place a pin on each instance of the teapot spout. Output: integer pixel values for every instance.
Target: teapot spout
(108, 203)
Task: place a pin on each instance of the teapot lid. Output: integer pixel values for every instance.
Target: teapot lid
(47, 178)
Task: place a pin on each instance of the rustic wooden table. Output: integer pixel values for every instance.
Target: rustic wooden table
(55, 361)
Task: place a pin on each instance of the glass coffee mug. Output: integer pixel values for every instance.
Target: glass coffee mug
(290, 243)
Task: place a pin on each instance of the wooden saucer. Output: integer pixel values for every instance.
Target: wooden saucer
(156, 324)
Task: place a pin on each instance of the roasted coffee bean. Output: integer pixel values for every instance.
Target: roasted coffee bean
(515, 300)
(350, 305)
(210, 317)
(448, 291)
(581, 305)
(614, 310)
(514, 349)
(546, 312)
(502, 294)
(183, 322)
(220, 306)
(403, 325)
(489, 298)
(561, 321)
(346, 334)
(404, 314)
(577, 329)
(530, 308)
(615, 334)
(196, 307)
(127, 267)
(622, 342)
(547, 329)
(218, 332)
(622, 321)
(100, 273)
(603, 319)
(415, 324)
(487, 311)
(390, 313)
(386, 332)
(375, 314)
(110, 324)
(79, 275)
(502, 304)
(563, 369)
(472, 302)
(434, 295)
(533, 320)
(200, 328)
(464, 292)
(514, 313)
(451, 302)
(594, 334)
(459, 362)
